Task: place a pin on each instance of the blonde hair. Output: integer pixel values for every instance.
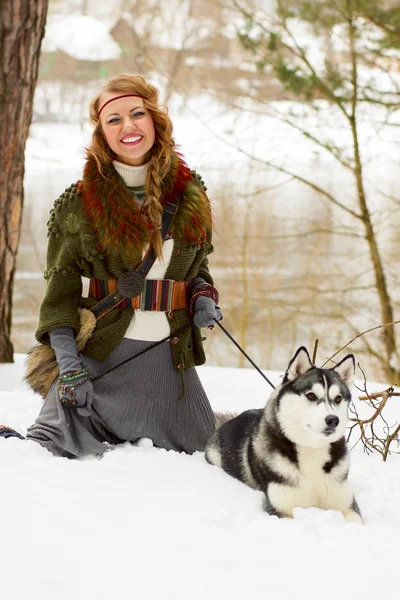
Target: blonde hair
(162, 150)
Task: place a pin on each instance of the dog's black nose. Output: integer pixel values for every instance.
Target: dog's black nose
(332, 421)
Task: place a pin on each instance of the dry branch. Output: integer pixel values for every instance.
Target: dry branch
(372, 441)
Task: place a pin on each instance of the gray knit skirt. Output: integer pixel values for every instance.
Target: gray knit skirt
(141, 399)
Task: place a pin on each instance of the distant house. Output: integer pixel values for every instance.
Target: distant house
(78, 49)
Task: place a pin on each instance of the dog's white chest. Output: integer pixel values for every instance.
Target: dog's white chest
(311, 463)
(313, 486)
(324, 486)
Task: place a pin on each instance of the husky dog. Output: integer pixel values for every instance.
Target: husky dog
(294, 449)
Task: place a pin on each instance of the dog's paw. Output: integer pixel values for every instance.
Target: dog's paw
(353, 517)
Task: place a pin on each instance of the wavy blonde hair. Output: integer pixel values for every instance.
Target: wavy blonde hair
(162, 150)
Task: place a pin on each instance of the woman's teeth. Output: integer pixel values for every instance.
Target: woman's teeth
(135, 138)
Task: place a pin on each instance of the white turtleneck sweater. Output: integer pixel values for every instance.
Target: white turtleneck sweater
(146, 325)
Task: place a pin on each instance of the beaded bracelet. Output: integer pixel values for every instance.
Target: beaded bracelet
(67, 384)
(73, 375)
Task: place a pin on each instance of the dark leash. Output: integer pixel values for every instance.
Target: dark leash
(174, 334)
(141, 352)
(244, 353)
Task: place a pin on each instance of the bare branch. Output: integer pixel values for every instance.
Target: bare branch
(358, 336)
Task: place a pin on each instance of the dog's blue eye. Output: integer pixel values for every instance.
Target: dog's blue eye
(311, 396)
(338, 399)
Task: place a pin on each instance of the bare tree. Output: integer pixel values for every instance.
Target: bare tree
(22, 24)
(344, 80)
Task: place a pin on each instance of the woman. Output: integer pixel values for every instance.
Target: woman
(100, 230)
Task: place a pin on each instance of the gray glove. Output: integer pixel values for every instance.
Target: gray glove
(205, 311)
(64, 345)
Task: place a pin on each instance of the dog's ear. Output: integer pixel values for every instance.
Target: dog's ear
(300, 364)
(346, 369)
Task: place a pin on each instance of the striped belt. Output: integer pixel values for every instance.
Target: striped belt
(158, 294)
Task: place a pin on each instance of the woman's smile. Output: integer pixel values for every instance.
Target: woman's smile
(132, 139)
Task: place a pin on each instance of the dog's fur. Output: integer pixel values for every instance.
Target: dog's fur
(294, 449)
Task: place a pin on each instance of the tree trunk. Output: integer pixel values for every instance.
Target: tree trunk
(385, 302)
(22, 24)
(386, 309)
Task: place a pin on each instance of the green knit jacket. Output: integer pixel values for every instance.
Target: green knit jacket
(96, 230)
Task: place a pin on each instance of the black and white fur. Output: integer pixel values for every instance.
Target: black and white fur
(294, 449)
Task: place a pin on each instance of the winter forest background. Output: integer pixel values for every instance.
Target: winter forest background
(289, 109)
(245, 88)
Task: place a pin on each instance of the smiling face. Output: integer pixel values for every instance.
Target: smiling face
(128, 128)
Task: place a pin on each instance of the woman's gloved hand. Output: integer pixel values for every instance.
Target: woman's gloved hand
(206, 312)
(76, 392)
(74, 386)
(204, 304)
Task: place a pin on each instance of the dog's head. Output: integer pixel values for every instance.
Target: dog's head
(312, 403)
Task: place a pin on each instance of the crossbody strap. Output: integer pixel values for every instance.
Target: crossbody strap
(169, 211)
(133, 280)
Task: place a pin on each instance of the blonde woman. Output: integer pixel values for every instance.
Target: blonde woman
(102, 231)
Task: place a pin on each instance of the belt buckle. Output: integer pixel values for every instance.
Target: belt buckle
(130, 284)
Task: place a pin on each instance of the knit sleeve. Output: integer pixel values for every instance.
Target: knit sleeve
(208, 248)
(63, 286)
(204, 271)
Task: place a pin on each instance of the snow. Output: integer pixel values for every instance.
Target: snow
(146, 523)
(80, 36)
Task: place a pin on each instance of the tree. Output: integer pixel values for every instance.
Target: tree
(356, 40)
(22, 24)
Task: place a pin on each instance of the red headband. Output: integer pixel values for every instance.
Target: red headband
(117, 98)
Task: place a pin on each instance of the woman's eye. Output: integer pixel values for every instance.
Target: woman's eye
(338, 399)
(311, 396)
(113, 120)
(139, 113)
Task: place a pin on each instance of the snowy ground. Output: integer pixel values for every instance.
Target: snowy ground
(147, 523)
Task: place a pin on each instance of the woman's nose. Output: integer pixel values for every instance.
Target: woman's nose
(128, 121)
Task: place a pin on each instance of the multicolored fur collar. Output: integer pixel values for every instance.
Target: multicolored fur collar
(119, 224)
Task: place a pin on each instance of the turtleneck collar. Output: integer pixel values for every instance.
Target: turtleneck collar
(132, 176)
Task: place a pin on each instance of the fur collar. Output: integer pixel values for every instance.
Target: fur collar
(118, 222)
